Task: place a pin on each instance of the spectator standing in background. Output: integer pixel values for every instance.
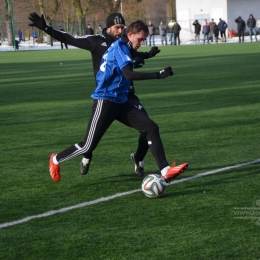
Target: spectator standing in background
(212, 26)
(170, 32)
(151, 31)
(222, 26)
(163, 33)
(251, 23)
(35, 37)
(61, 43)
(206, 31)
(241, 26)
(89, 30)
(20, 36)
(216, 33)
(99, 31)
(197, 28)
(176, 31)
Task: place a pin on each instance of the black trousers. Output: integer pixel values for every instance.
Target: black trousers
(176, 36)
(241, 33)
(102, 116)
(61, 45)
(223, 34)
(143, 146)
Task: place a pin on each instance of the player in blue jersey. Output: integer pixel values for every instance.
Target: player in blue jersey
(111, 103)
(97, 45)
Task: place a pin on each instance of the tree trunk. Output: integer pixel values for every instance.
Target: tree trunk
(80, 16)
(48, 18)
(8, 23)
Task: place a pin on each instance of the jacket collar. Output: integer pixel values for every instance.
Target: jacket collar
(109, 39)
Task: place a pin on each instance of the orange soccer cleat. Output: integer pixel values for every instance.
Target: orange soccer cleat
(54, 169)
(175, 171)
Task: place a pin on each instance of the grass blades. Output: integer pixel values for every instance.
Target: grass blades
(208, 114)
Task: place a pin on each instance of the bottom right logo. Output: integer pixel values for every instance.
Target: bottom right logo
(252, 213)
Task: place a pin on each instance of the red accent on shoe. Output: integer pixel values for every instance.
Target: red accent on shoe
(54, 169)
(175, 171)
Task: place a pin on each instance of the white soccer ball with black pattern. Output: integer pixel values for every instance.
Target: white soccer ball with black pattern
(153, 186)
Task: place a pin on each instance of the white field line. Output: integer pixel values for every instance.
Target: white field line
(84, 204)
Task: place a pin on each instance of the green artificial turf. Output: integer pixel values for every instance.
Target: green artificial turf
(208, 114)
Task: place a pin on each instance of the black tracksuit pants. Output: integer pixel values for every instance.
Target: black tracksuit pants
(143, 146)
(102, 116)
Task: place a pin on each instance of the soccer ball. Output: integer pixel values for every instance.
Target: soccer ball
(153, 186)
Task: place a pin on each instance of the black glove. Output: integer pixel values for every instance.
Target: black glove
(138, 62)
(37, 21)
(154, 51)
(166, 72)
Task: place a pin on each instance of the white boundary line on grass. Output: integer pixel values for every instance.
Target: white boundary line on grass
(84, 204)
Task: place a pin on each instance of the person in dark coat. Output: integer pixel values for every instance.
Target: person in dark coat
(61, 43)
(176, 30)
(197, 27)
(251, 23)
(89, 30)
(222, 26)
(241, 26)
(216, 33)
(212, 26)
(206, 31)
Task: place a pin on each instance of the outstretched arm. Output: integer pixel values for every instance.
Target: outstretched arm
(83, 43)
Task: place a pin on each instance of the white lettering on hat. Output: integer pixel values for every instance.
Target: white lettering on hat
(117, 20)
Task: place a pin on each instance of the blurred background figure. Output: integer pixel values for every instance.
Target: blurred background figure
(61, 43)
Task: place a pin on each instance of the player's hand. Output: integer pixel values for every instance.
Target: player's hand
(166, 72)
(154, 51)
(37, 21)
(138, 62)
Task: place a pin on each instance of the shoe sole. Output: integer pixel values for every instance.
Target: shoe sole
(169, 180)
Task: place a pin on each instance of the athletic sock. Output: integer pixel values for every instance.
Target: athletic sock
(85, 161)
(54, 160)
(165, 170)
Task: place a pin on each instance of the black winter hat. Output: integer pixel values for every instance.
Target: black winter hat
(114, 18)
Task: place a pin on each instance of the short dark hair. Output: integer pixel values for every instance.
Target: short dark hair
(137, 26)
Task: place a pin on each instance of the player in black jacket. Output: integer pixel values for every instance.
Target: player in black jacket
(97, 45)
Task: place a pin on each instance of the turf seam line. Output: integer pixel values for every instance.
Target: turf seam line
(84, 204)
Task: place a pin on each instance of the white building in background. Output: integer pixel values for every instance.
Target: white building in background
(187, 11)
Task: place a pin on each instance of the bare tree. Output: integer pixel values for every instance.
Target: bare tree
(67, 13)
(8, 22)
(171, 8)
(80, 16)
(49, 14)
(106, 7)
